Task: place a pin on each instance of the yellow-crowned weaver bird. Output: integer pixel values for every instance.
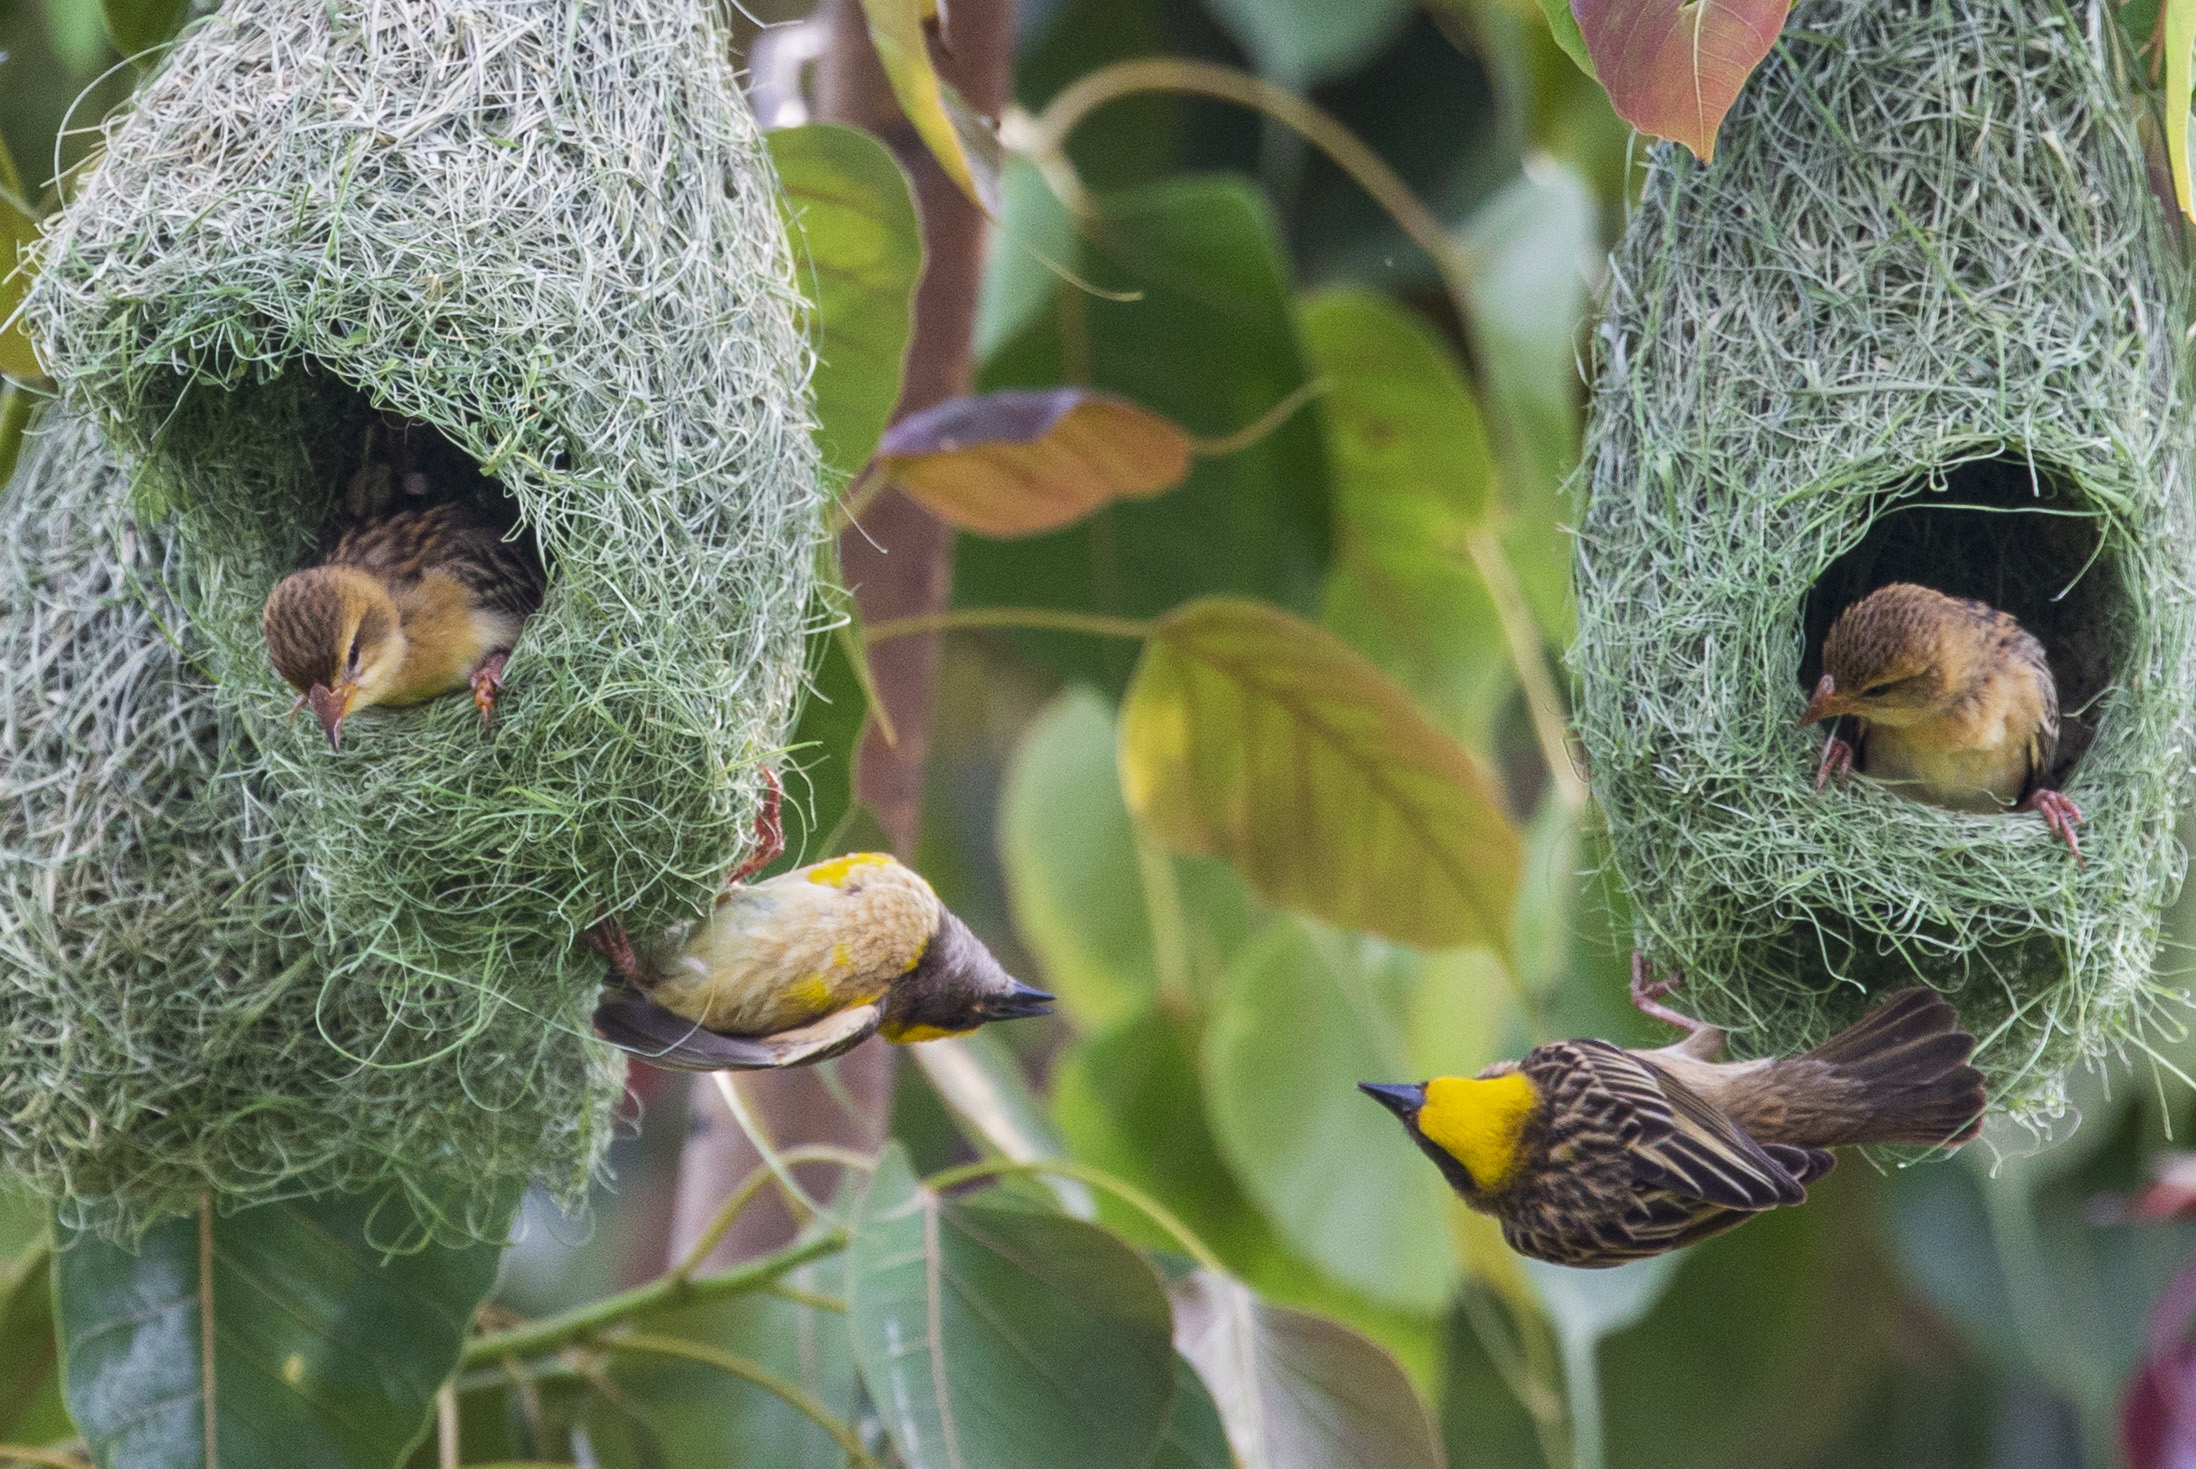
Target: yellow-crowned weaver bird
(1590, 1154)
(1948, 699)
(805, 966)
(406, 608)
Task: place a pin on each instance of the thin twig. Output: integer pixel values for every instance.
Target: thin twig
(1129, 1194)
(1036, 619)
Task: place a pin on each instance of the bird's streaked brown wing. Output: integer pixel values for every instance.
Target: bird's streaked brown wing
(633, 1022)
(501, 575)
(2043, 742)
(1683, 1144)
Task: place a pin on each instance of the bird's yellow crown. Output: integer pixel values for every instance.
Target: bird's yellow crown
(1479, 1123)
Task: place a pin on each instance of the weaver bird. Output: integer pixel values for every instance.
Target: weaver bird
(804, 966)
(1949, 698)
(404, 609)
(1589, 1154)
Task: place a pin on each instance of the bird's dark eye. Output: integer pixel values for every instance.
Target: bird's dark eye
(352, 661)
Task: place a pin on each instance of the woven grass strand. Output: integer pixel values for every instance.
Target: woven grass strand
(1926, 243)
(552, 234)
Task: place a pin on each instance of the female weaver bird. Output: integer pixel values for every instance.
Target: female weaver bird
(1590, 1154)
(406, 608)
(1949, 699)
(805, 966)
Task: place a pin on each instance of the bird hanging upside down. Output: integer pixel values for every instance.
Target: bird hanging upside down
(1950, 699)
(805, 966)
(406, 608)
(1591, 1155)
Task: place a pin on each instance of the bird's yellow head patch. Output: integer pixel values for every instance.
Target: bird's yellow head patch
(910, 1035)
(1478, 1123)
(835, 872)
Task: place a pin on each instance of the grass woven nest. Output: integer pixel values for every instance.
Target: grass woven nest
(544, 242)
(1920, 319)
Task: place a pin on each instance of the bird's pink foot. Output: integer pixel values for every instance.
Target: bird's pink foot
(2060, 814)
(769, 831)
(1837, 761)
(608, 938)
(487, 682)
(1647, 997)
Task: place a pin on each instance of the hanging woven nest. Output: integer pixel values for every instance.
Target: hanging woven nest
(166, 1025)
(540, 244)
(1920, 320)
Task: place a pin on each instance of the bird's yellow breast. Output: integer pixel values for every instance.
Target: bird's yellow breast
(1479, 1123)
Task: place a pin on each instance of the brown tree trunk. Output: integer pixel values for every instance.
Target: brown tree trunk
(899, 562)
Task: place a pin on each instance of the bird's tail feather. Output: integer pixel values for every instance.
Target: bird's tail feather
(1907, 1059)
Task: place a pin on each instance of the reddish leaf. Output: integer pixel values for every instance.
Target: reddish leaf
(1672, 68)
(1020, 463)
(2158, 1415)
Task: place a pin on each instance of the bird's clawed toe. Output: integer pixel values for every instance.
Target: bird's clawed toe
(608, 938)
(1837, 761)
(769, 830)
(2060, 814)
(1647, 997)
(487, 681)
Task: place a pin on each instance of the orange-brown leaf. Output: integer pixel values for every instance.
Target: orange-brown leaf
(1672, 68)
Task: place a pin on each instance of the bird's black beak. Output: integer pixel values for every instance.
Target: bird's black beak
(1018, 1003)
(1827, 703)
(1403, 1098)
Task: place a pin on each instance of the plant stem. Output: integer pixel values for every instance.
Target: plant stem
(751, 1185)
(1258, 428)
(24, 1454)
(1040, 619)
(770, 1382)
(568, 1328)
(1136, 1198)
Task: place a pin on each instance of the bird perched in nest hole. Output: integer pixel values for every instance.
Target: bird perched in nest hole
(805, 966)
(406, 608)
(1950, 699)
(1589, 1154)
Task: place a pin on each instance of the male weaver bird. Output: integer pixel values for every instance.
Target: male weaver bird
(805, 966)
(1590, 1154)
(406, 608)
(1950, 699)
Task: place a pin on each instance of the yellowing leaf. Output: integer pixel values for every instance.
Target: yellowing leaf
(1021, 463)
(1250, 734)
(948, 126)
(1672, 68)
(18, 230)
(2180, 37)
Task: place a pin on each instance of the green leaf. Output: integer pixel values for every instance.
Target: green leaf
(1020, 463)
(1295, 1391)
(18, 232)
(1069, 853)
(980, 1080)
(1251, 735)
(1210, 343)
(1299, 42)
(1195, 1439)
(688, 1412)
(137, 26)
(1564, 27)
(31, 1410)
(1303, 1017)
(996, 1336)
(848, 198)
(820, 791)
(947, 125)
(1413, 475)
(1034, 229)
(325, 1351)
(2180, 39)
(1672, 68)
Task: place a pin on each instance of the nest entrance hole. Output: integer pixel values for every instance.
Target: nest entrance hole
(2016, 535)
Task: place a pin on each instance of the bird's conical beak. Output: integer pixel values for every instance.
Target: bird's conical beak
(1019, 1002)
(330, 706)
(1403, 1098)
(1828, 703)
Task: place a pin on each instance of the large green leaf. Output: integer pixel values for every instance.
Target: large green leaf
(981, 1082)
(819, 786)
(1251, 735)
(995, 1338)
(137, 26)
(1298, 42)
(944, 121)
(864, 253)
(2180, 40)
(1295, 1391)
(1035, 234)
(1209, 342)
(18, 231)
(31, 1410)
(1300, 1021)
(1069, 853)
(1413, 476)
(325, 1351)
